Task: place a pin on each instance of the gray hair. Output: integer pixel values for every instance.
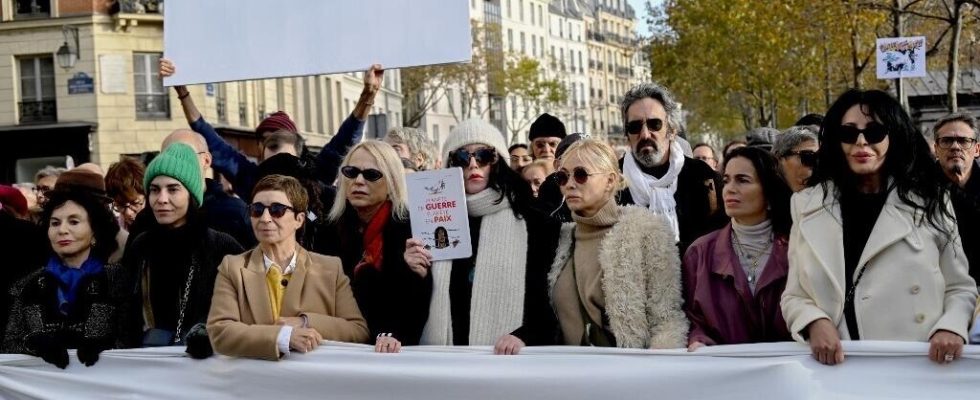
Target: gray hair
(659, 93)
(792, 137)
(48, 171)
(956, 117)
(416, 141)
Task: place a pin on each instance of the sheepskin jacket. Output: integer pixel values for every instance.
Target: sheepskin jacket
(641, 279)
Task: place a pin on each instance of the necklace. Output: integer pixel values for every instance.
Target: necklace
(754, 268)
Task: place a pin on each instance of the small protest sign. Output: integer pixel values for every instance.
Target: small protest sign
(901, 57)
(437, 206)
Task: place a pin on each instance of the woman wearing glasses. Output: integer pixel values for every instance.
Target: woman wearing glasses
(279, 297)
(874, 252)
(734, 277)
(497, 297)
(368, 229)
(615, 280)
(796, 150)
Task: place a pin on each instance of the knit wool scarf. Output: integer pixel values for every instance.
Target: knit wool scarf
(657, 194)
(497, 302)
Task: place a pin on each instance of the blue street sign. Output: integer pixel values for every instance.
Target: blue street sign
(81, 83)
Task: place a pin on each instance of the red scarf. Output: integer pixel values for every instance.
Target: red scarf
(374, 239)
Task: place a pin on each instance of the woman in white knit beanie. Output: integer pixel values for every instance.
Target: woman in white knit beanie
(498, 297)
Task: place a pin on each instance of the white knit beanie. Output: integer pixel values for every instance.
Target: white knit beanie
(474, 131)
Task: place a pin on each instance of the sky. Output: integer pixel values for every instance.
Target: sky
(641, 9)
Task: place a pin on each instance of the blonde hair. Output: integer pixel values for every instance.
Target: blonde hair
(597, 155)
(546, 165)
(394, 175)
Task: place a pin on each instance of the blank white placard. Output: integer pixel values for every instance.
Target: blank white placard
(232, 40)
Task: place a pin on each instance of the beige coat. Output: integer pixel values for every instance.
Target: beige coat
(916, 283)
(240, 323)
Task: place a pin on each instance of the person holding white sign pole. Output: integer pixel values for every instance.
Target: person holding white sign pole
(368, 228)
(274, 130)
(498, 296)
(874, 253)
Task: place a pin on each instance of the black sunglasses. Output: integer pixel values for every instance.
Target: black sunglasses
(370, 174)
(807, 157)
(873, 133)
(461, 158)
(276, 210)
(580, 174)
(653, 125)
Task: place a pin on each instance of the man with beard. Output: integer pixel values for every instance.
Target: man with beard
(660, 176)
(957, 149)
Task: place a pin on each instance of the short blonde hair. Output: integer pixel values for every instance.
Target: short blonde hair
(597, 155)
(394, 174)
(547, 165)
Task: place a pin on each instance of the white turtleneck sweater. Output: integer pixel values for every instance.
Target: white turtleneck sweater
(754, 239)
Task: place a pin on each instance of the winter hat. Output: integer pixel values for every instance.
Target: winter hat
(474, 131)
(567, 142)
(276, 121)
(82, 179)
(546, 125)
(12, 198)
(178, 161)
(284, 164)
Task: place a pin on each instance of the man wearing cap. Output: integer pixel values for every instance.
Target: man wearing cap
(660, 176)
(546, 132)
(279, 134)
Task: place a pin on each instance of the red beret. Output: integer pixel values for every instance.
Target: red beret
(12, 197)
(276, 121)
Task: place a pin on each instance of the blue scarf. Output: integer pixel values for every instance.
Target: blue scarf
(69, 278)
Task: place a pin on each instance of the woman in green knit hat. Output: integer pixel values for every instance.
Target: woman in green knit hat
(173, 264)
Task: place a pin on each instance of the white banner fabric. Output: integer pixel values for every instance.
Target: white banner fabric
(884, 370)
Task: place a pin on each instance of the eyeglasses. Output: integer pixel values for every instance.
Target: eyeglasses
(873, 133)
(653, 125)
(134, 205)
(370, 174)
(580, 174)
(276, 210)
(947, 142)
(807, 157)
(461, 158)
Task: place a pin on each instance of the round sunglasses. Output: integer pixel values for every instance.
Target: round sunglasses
(370, 174)
(873, 133)
(580, 174)
(276, 210)
(461, 157)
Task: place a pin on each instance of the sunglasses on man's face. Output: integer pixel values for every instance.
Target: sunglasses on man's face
(873, 133)
(370, 174)
(652, 124)
(581, 175)
(461, 157)
(276, 210)
(807, 157)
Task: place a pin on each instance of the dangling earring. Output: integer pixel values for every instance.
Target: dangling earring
(93, 242)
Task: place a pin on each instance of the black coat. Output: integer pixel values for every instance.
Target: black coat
(25, 246)
(694, 215)
(966, 205)
(393, 300)
(92, 321)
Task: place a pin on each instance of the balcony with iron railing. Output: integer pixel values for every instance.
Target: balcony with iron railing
(33, 112)
(624, 72)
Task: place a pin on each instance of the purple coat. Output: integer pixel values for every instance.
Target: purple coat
(718, 300)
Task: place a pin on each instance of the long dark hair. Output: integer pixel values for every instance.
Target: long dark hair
(774, 188)
(511, 185)
(100, 219)
(908, 163)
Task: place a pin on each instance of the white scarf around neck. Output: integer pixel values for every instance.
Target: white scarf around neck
(656, 194)
(497, 300)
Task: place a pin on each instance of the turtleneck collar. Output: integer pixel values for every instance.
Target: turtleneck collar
(598, 224)
(753, 237)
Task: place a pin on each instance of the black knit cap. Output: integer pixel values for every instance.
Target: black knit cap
(546, 125)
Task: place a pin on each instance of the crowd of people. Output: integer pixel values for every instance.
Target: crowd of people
(850, 226)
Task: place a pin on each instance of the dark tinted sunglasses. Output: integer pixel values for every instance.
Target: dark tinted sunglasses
(653, 125)
(276, 210)
(581, 175)
(873, 133)
(370, 174)
(461, 158)
(807, 157)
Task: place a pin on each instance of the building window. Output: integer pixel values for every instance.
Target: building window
(37, 95)
(532, 14)
(523, 46)
(540, 15)
(534, 46)
(242, 104)
(151, 97)
(520, 9)
(24, 9)
(510, 40)
(435, 133)
(508, 9)
(221, 104)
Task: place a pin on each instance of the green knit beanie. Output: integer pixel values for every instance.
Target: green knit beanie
(178, 161)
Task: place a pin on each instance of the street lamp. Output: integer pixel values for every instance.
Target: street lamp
(65, 54)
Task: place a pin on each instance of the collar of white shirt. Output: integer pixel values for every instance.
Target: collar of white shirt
(286, 271)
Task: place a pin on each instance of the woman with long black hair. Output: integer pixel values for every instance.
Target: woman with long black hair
(499, 295)
(874, 252)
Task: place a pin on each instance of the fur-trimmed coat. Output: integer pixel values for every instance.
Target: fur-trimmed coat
(641, 280)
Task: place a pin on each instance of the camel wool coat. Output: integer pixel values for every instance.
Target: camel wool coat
(241, 324)
(916, 280)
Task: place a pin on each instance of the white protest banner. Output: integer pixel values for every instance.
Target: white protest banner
(231, 40)
(437, 206)
(901, 57)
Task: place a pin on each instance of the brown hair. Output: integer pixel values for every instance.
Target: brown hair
(124, 181)
(290, 186)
